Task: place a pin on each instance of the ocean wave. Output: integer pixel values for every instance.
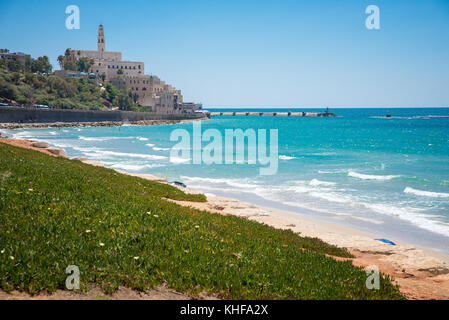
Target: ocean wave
(160, 149)
(412, 215)
(91, 139)
(102, 138)
(286, 157)
(177, 160)
(21, 134)
(426, 193)
(236, 183)
(370, 176)
(101, 153)
(303, 193)
(142, 139)
(150, 145)
(316, 182)
(134, 167)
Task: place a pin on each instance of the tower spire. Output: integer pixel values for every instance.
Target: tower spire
(101, 42)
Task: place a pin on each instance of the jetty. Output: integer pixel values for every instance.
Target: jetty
(272, 114)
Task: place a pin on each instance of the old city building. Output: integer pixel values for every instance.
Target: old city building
(147, 90)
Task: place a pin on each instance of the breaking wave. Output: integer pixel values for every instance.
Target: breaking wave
(426, 193)
(371, 176)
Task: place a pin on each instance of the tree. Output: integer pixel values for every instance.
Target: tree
(84, 64)
(61, 62)
(120, 71)
(4, 50)
(8, 90)
(15, 77)
(15, 66)
(41, 65)
(71, 65)
(28, 63)
(125, 102)
(111, 92)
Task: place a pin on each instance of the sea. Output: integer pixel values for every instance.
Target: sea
(388, 176)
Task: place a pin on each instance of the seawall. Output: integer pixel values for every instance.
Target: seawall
(33, 115)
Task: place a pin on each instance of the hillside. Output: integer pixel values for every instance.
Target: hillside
(32, 83)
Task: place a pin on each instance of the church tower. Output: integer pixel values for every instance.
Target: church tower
(101, 43)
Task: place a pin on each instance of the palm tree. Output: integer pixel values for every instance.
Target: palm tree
(61, 61)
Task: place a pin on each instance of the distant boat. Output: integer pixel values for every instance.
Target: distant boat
(388, 115)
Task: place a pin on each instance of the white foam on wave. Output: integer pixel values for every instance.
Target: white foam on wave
(316, 182)
(371, 176)
(235, 183)
(91, 139)
(281, 157)
(102, 138)
(333, 198)
(21, 134)
(150, 145)
(426, 193)
(101, 153)
(160, 149)
(177, 160)
(142, 139)
(411, 215)
(135, 167)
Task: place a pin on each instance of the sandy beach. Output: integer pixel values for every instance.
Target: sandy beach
(421, 273)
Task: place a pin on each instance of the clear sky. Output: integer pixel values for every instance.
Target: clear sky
(259, 53)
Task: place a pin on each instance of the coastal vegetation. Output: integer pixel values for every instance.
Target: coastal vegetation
(121, 231)
(32, 83)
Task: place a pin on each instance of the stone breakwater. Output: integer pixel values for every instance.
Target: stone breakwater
(91, 124)
(273, 114)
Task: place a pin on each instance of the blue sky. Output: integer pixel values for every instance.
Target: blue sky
(260, 53)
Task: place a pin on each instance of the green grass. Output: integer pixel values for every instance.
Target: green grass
(56, 212)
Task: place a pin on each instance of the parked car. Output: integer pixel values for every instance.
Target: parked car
(41, 106)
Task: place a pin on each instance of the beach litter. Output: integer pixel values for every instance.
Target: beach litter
(386, 241)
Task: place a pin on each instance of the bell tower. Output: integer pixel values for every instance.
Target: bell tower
(101, 43)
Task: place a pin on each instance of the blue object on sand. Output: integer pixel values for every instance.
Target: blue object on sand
(386, 241)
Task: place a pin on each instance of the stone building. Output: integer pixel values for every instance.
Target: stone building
(15, 56)
(147, 90)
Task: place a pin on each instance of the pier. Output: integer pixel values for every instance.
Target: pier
(272, 114)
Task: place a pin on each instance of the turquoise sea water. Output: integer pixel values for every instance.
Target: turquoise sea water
(388, 176)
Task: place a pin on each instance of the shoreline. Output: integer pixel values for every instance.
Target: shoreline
(421, 273)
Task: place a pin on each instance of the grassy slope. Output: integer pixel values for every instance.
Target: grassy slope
(48, 205)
